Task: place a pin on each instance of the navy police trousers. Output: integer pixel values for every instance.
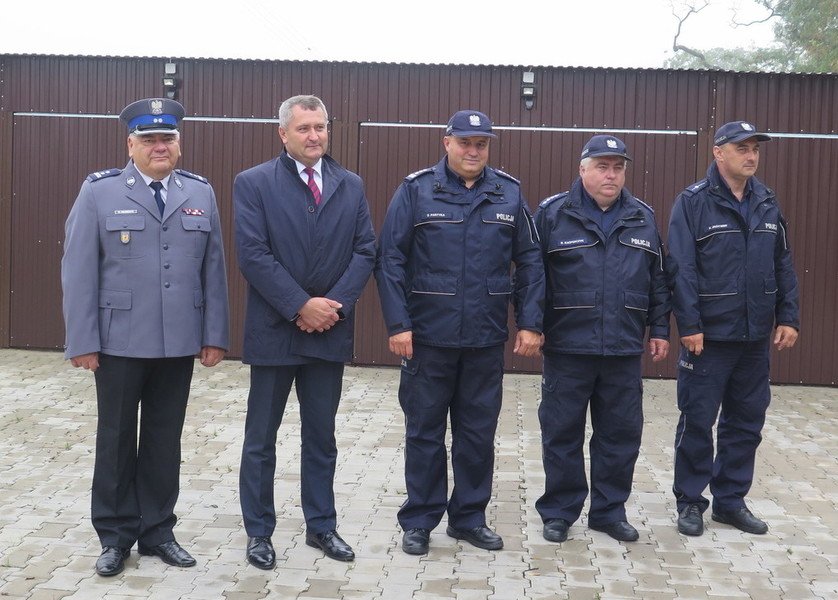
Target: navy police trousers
(614, 388)
(465, 383)
(733, 376)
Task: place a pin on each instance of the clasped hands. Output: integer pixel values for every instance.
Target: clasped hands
(318, 314)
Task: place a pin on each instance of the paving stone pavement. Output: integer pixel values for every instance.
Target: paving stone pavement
(48, 546)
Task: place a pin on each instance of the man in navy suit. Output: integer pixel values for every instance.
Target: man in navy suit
(306, 247)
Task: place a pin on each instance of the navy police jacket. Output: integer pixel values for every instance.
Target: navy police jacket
(290, 250)
(732, 279)
(602, 291)
(445, 256)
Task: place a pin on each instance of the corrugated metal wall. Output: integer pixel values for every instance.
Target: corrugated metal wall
(56, 126)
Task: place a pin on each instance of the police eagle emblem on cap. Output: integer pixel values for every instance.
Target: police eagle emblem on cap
(611, 143)
(747, 127)
(474, 120)
(156, 107)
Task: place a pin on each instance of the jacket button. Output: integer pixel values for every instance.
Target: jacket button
(165, 228)
(167, 284)
(311, 209)
(165, 246)
(166, 266)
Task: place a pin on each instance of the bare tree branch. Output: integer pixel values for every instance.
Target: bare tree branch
(681, 20)
(772, 12)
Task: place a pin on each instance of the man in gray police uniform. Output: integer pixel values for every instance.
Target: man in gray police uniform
(145, 291)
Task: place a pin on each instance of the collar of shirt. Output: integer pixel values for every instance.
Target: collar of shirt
(591, 204)
(717, 178)
(165, 181)
(318, 173)
(604, 219)
(454, 178)
(746, 193)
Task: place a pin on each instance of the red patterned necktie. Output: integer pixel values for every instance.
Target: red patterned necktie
(312, 185)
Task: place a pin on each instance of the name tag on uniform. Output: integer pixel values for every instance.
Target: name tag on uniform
(124, 236)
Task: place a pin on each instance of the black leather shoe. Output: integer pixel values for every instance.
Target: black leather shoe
(260, 552)
(112, 560)
(332, 544)
(481, 537)
(742, 519)
(555, 530)
(416, 541)
(621, 531)
(690, 520)
(170, 552)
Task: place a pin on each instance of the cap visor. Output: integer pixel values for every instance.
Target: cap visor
(471, 134)
(760, 137)
(151, 131)
(595, 154)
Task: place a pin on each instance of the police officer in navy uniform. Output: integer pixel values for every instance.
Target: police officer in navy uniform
(145, 291)
(450, 236)
(606, 286)
(733, 281)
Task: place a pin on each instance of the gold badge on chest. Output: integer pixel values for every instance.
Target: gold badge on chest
(124, 236)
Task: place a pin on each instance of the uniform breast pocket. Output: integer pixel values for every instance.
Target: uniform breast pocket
(197, 230)
(564, 251)
(724, 246)
(640, 240)
(499, 227)
(124, 236)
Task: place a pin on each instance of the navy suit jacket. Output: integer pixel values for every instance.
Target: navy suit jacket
(290, 250)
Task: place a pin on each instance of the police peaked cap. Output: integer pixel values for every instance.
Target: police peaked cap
(152, 115)
(736, 131)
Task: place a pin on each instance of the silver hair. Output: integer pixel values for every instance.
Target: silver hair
(307, 102)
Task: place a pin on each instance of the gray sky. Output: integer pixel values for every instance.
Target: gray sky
(600, 33)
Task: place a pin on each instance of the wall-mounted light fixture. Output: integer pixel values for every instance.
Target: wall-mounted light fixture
(528, 89)
(170, 81)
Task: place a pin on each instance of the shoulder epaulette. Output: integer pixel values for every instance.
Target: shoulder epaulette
(549, 200)
(191, 175)
(651, 210)
(506, 175)
(103, 174)
(696, 187)
(416, 174)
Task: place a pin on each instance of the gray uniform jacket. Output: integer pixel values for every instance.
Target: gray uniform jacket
(137, 285)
